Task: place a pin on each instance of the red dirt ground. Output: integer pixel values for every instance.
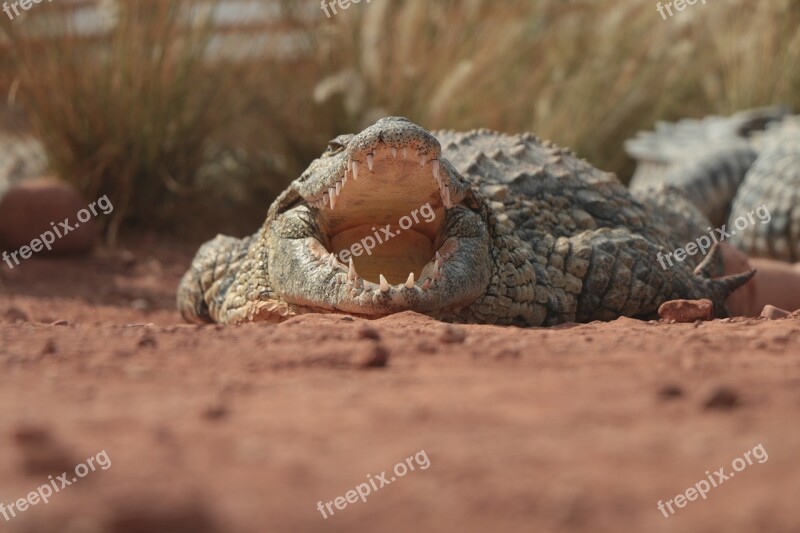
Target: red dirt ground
(581, 428)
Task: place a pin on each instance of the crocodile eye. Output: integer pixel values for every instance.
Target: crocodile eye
(335, 146)
(338, 144)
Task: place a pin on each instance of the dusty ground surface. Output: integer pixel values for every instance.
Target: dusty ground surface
(211, 429)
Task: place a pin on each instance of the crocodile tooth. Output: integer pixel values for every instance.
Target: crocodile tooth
(326, 199)
(426, 285)
(355, 170)
(410, 281)
(394, 152)
(384, 284)
(435, 169)
(405, 152)
(349, 165)
(422, 160)
(338, 188)
(370, 161)
(332, 196)
(447, 202)
(352, 275)
(368, 286)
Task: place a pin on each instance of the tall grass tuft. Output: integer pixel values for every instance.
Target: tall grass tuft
(130, 114)
(587, 74)
(144, 116)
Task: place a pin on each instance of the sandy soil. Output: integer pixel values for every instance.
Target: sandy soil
(211, 429)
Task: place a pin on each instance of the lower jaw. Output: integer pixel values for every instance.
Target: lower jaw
(375, 254)
(398, 272)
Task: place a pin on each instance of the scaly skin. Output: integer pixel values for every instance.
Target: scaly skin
(773, 180)
(728, 167)
(524, 234)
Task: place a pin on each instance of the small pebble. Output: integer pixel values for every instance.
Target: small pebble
(507, 353)
(30, 435)
(147, 341)
(215, 412)
(14, 314)
(723, 398)
(368, 332)
(140, 304)
(377, 357)
(686, 311)
(427, 347)
(453, 334)
(49, 347)
(671, 391)
(770, 312)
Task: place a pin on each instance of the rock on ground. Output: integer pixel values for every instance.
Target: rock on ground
(684, 311)
(28, 208)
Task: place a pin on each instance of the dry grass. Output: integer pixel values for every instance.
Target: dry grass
(156, 127)
(130, 115)
(585, 74)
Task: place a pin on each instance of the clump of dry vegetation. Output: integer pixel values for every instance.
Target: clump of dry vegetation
(150, 118)
(586, 74)
(128, 114)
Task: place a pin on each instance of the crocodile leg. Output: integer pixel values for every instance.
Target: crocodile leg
(228, 283)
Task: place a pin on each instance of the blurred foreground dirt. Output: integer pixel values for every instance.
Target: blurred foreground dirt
(211, 429)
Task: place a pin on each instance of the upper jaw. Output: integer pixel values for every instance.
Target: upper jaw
(390, 140)
(359, 165)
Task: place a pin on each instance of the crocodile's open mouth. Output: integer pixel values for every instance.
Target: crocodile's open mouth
(382, 221)
(379, 225)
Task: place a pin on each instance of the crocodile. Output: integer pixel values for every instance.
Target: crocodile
(728, 166)
(520, 232)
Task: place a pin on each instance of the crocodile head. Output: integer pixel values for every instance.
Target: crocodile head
(380, 223)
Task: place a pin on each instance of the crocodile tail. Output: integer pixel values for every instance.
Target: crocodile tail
(723, 287)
